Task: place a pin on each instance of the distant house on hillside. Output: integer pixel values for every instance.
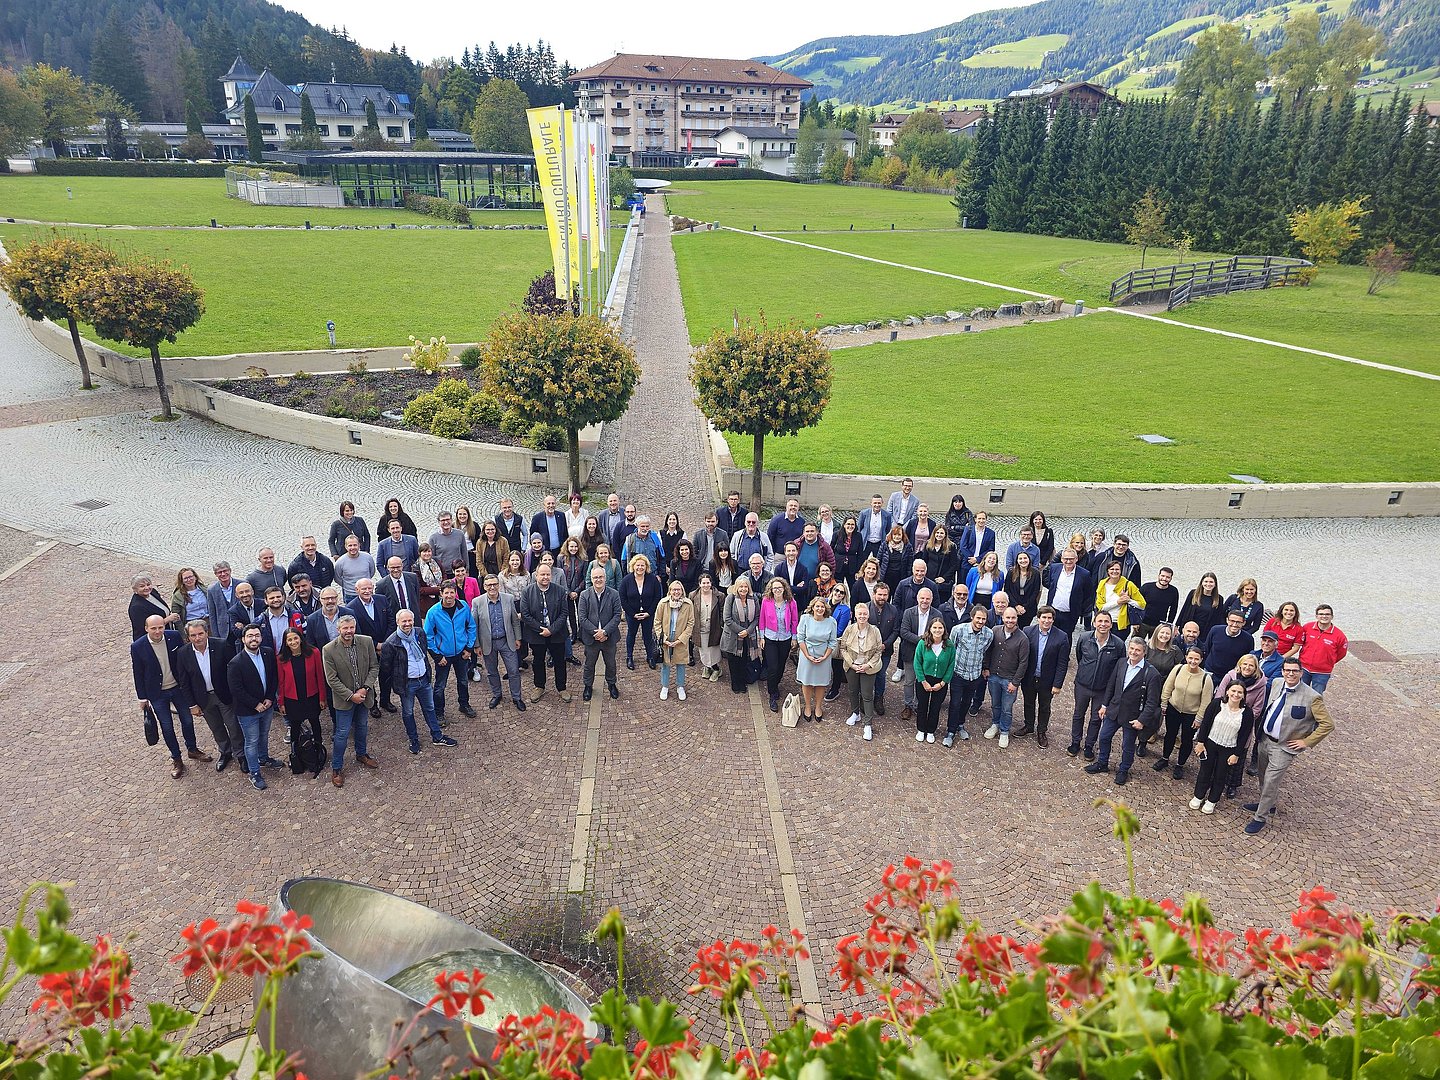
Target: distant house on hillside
(339, 107)
(957, 122)
(770, 148)
(1088, 97)
(1427, 113)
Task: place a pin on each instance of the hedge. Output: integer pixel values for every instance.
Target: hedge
(710, 174)
(91, 167)
(444, 209)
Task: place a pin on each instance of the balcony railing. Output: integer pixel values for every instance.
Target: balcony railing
(718, 115)
(697, 95)
(789, 99)
(619, 131)
(656, 110)
(619, 111)
(654, 129)
(775, 153)
(618, 91)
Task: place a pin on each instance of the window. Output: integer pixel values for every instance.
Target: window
(279, 103)
(292, 129)
(323, 129)
(392, 132)
(390, 106)
(267, 129)
(344, 106)
(346, 130)
(652, 86)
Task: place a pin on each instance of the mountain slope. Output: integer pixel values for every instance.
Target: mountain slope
(993, 52)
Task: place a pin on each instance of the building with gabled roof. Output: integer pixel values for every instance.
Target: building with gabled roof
(1088, 97)
(957, 122)
(771, 149)
(667, 110)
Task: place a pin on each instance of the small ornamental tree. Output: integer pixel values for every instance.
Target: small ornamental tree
(540, 298)
(41, 277)
(757, 380)
(141, 302)
(1386, 264)
(1147, 227)
(1325, 232)
(567, 370)
(254, 140)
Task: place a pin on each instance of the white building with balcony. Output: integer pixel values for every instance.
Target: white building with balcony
(768, 148)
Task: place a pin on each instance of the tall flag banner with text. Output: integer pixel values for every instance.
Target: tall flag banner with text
(548, 136)
(595, 193)
(579, 158)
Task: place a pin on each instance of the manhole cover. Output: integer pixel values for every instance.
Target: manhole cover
(235, 989)
(92, 504)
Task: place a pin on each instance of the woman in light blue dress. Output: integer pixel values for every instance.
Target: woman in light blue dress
(817, 638)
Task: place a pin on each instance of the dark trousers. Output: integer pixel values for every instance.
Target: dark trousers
(739, 672)
(167, 707)
(220, 718)
(1038, 699)
(1066, 620)
(1128, 737)
(1215, 771)
(1179, 727)
(386, 690)
(647, 639)
(965, 701)
(927, 707)
(1089, 700)
(554, 648)
(300, 713)
(594, 650)
(776, 653)
(461, 666)
(862, 695)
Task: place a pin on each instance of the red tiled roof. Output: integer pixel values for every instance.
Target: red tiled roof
(693, 68)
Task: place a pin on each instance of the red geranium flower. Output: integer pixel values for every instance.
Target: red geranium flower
(102, 988)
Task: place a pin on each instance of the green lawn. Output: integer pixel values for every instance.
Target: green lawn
(1182, 24)
(722, 272)
(780, 207)
(106, 200)
(1072, 395)
(270, 291)
(1026, 53)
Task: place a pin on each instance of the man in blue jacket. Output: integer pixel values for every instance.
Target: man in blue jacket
(1045, 673)
(153, 663)
(450, 629)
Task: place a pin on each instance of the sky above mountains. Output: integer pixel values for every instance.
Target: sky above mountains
(586, 32)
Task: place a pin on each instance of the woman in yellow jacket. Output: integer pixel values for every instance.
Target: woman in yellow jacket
(1115, 594)
(674, 621)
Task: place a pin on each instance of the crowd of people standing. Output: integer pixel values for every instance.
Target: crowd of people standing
(932, 606)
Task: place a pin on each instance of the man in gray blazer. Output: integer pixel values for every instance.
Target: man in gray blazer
(351, 667)
(497, 637)
(1295, 720)
(598, 612)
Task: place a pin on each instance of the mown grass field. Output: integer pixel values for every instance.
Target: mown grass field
(1026, 53)
(1075, 394)
(781, 207)
(271, 291)
(124, 200)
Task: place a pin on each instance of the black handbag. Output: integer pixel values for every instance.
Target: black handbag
(152, 725)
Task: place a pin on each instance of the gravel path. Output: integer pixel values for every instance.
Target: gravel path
(662, 460)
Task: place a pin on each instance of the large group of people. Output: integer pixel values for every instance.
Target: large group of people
(930, 605)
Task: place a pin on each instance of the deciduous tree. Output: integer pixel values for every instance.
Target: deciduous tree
(1221, 71)
(64, 102)
(808, 149)
(21, 118)
(141, 302)
(500, 126)
(757, 380)
(566, 370)
(1147, 226)
(1325, 232)
(1386, 264)
(41, 278)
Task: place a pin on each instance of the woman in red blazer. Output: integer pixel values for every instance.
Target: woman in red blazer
(303, 691)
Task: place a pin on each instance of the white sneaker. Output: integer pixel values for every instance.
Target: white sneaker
(664, 692)
(949, 740)
(929, 737)
(992, 731)
(867, 733)
(919, 736)
(1208, 808)
(854, 716)
(680, 692)
(895, 675)
(964, 735)
(1195, 804)
(1004, 739)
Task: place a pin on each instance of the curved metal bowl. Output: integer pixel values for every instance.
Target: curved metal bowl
(337, 1010)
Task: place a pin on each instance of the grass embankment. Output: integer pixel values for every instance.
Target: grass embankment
(1073, 395)
(274, 291)
(122, 200)
(772, 206)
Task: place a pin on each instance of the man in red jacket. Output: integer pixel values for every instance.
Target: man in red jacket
(1322, 646)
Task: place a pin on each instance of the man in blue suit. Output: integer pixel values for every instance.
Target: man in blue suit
(1070, 591)
(375, 619)
(153, 663)
(1045, 675)
(873, 525)
(551, 526)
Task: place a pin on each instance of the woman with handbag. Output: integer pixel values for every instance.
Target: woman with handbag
(740, 638)
(674, 623)
(303, 693)
(862, 649)
(1188, 689)
(779, 620)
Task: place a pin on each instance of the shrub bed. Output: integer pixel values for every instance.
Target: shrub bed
(90, 167)
(444, 209)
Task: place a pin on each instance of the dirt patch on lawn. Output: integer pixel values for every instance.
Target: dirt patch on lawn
(363, 395)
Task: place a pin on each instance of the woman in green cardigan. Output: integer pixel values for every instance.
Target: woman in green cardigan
(934, 665)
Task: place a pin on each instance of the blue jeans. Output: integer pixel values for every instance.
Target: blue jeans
(356, 718)
(1002, 702)
(677, 668)
(461, 666)
(1315, 681)
(420, 689)
(965, 698)
(256, 729)
(1128, 737)
(163, 703)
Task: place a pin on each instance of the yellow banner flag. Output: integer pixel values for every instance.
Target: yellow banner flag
(548, 137)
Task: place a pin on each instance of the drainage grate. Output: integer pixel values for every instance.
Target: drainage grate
(1155, 440)
(92, 504)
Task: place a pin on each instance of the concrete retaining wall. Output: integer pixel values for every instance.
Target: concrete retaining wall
(514, 464)
(1020, 497)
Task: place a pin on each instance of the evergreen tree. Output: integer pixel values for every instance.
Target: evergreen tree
(372, 119)
(308, 123)
(115, 62)
(254, 140)
(1021, 144)
(422, 127)
(1048, 205)
(977, 175)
